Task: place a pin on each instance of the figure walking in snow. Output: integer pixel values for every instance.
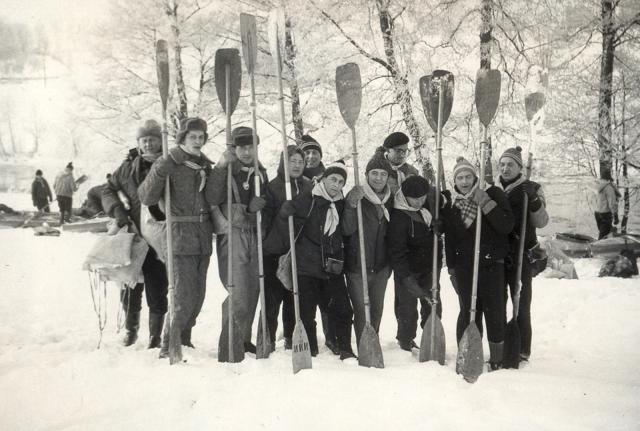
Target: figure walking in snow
(64, 186)
(459, 214)
(120, 200)
(606, 211)
(518, 188)
(188, 170)
(244, 207)
(410, 252)
(41, 193)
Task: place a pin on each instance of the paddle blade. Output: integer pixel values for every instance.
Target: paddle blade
(228, 57)
(487, 94)
(512, 344)
(263, 343)
(470, 360)
(162, 68)
(349, 92)
(432, 345)
(533, 103)
(369, 350)
(223, 343)
(249, 35)
(301, 354)
(429, 91)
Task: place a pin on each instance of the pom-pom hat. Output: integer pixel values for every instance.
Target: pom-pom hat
(513, 153)
(463, 164)
(337, 167)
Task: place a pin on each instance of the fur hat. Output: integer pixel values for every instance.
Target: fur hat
(513, 153)
(378, 162)
(241, 136)
(337, 167)
(38, 172)
(149, 128)
(415, 186)
(463, 164)
(308, 143)
(191, 123)
(395, 140)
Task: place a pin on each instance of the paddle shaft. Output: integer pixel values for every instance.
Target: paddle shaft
(476, 246)
(434, 267)
(227, 76)
(257, 177)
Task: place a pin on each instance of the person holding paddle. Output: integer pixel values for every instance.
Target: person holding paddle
(410, 253)
(459, 214)
(276, 242)
(395, 150)
(188, 170)
(313, 158)
(377, 202)
(320, 257)
(244, 207)
(517, 188)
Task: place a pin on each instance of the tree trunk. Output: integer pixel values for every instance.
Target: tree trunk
(289, 60)
(401, 88)
(183, 110)
(486, 38)
(606, 77)
(623, 150)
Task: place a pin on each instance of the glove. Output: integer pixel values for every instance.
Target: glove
(438, 226)
(529, 189)
(256, 204)
(615, 219)
(121, 216)
(480, 197)
(165, 167)
(414, 288)
(354, 196)
(287, 209)
(229, 156)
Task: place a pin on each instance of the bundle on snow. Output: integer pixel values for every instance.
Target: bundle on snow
(623, 265)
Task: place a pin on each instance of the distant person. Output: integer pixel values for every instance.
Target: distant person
(606, 211)
(64, 187)
(41, 193)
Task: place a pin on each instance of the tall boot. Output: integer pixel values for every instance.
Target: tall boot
(156, 320)
(496, 355)
(132, 323)
(346, 351)
(185, 338)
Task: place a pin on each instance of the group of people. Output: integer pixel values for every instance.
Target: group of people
(64, 186)
(398, 207)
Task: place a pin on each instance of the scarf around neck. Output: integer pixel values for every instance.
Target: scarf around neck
(372, 197)
(333, 218)
(400, 202)
(468, 207)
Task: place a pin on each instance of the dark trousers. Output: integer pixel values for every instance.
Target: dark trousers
(155, 286)
(604, 222)
(490, 301)
(331, 296)
(524, 309)
(275, 294)
(406, 307)
(377, 284)
(65, 203)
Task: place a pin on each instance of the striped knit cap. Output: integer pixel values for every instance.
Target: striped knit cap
(463, 164)
(513, 153)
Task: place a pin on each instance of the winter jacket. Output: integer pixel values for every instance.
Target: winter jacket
(192, 228)
(314, 174)
(65, 184)
(497, 224)
(537, 216)
(606, 197)
(314, 246)
(374, 226)
(277, 229)
(410, 243)
(40, 193)
(243, 189)
(126, 179)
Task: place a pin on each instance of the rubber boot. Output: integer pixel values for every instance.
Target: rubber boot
(346, 351)
(156, 321)
(185, 338)
(132, 323)
(496, 354)
(313, 342)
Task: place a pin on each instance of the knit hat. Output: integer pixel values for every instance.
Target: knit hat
(308, 143)
(378, 162)
(513, 153)
(415, 186)
(38, 172)
(337, 167)
(463, 164)
(241, 136)
(69, 165)
(149, 128)
(191, 123)
(395, 140)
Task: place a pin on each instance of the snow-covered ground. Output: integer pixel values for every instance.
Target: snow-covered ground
(582, 375)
